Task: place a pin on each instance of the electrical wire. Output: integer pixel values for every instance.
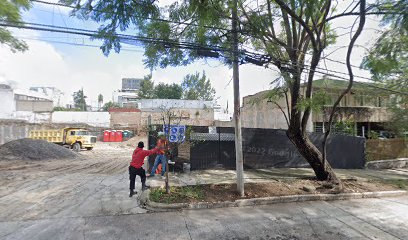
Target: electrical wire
(75, 44)
(184, 45)
(112, 12)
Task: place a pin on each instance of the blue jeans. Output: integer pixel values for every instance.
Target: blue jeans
(159, 159)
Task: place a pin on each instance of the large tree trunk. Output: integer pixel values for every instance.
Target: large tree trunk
(313, 156)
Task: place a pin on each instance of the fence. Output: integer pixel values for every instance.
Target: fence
(382, 149)
(263, 148)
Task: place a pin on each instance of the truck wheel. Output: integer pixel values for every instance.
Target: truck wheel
(76, 147)
(89, 148)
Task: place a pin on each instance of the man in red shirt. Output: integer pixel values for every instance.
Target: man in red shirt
(136, 168)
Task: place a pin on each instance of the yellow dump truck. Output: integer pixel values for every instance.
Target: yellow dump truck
(74, 138)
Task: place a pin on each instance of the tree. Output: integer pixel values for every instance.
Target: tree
(388, 61)
(10, 12)
(197, 88)
(100, 101)
(282, 33)
(168, 91)
(79, 99)
(170, 116)
(109, 105)
(146, 90)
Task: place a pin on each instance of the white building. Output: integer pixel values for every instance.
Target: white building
(24, 105)
(50, 92)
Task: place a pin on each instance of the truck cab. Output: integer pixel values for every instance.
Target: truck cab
(79, 139)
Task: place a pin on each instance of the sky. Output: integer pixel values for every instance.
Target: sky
(49, 63)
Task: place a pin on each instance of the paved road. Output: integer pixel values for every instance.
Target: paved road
(385, 218)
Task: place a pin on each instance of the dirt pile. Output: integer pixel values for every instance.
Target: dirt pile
(30, 149)
(132, 142)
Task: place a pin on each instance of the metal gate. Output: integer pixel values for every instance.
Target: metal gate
(211, 150)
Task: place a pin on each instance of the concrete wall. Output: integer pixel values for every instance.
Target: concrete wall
(223, 123)
(13, 129)
(96, 119)
(7, 105)
(359, 114)
(32, 117)
(34, 106)
(257, 112)
(193, 117)
(173, 103)
(382, 149)
(139, 120)
(125, 119)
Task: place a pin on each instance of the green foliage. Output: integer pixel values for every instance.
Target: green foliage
(146, 90)
(100, 98)
(110, 105)
(388, 59)
(344, 127)
(10, 11)
(399, 121)
(320, 99)
(58, 109)
(373, 135)
(168, 91)
(79, 99)
(177, 194)
(196, 87)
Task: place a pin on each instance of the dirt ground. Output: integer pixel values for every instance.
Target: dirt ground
(94, 184)
(227, 192)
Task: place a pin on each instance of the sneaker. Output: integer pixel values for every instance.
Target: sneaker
(163, 177)
(145, 187)
(170, 162)
(132, 193)
(150, 175)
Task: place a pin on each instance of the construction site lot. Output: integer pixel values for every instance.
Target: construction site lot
(93, 184)
(96, 183)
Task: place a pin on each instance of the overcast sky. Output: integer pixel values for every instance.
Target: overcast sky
(69, 68)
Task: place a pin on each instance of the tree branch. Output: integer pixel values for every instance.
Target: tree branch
(350, 70)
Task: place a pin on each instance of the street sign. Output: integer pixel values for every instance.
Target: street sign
(176, 133)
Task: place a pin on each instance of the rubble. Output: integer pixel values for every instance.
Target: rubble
(30, 149)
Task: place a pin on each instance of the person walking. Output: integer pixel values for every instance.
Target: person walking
(136, 168)
(161, 157)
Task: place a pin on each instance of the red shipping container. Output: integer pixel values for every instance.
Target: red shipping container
(112, 135)
(119, 136)
(106, 134)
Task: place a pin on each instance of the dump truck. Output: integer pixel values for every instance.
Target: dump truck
(74, 138)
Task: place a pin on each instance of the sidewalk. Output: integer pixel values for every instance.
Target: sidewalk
(217, 176)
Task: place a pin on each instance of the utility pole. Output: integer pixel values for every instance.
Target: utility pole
(237, 110)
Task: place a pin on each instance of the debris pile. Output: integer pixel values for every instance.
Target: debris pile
(30, 149)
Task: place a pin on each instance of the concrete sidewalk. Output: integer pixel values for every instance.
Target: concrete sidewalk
(217, 176)
(384, 218)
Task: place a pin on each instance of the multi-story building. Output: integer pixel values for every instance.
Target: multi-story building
(24, 104)
(127, 96)
(365, 107)
(131, 84)
(50, 92)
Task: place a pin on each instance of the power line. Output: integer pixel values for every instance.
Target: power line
(367, 84)
(75, 44)
(112, 12)
(96, 34)
(185, 45)
(178, 22)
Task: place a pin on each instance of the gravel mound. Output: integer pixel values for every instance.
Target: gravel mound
(30, 149)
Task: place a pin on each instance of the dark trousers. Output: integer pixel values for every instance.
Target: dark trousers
(132, 176)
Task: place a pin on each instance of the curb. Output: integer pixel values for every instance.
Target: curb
(154, 206)
(387, 164)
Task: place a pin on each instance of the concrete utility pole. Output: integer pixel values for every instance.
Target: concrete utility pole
(237, 104)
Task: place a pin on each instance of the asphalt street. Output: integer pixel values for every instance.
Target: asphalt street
(385, 218)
